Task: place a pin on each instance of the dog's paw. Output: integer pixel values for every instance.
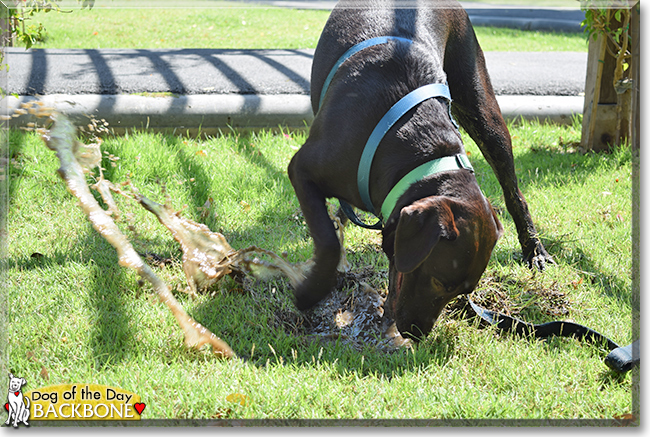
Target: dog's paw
(538, 258)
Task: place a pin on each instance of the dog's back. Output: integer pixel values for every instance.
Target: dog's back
(426, 22)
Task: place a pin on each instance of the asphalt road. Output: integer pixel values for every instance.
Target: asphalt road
(263, 72)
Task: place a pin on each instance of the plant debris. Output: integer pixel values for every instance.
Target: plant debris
(355, 315)
(207, 256)
(61, 139)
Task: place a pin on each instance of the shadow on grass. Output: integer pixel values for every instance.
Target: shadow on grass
(111, 318)
(16, 142)
(613, 287)
(189, 164)
(109, 322)
(111, 338)
(546, 168)
(280, 211)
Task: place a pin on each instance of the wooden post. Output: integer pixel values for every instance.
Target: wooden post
(606, 115)
(594, 109)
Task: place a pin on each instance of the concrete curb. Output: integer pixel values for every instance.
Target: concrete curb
(185, 113)
(554, 109)
(210, 114)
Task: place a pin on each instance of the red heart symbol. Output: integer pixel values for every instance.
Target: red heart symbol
(139, 407)
(16, 393)
(7, 406)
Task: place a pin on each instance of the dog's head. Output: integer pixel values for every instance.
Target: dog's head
(437, 251)
(15, 384)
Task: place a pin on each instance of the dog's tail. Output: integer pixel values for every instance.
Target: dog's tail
(29, 403)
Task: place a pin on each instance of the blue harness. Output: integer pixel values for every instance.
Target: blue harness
(395, 113)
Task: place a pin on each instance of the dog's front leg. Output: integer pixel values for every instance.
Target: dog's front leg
(494, 141)
(322, 276)
(476, 108)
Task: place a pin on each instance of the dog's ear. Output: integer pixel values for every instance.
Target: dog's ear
(23, 381)
(420, 227)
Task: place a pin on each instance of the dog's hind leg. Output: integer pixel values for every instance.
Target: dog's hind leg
(321, 279)
(476, 109)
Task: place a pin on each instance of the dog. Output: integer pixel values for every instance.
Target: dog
(440, 234)
(15, 403)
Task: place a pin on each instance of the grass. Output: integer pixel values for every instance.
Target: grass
(76, 316)
(203, 26)
(515, 40)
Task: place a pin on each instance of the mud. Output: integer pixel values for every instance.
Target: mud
(355, 316)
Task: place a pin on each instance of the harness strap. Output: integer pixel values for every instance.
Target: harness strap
(350, 52)
(397, 111)
(354, 218)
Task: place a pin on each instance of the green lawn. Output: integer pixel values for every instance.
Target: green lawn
(202, 26)
(76, 316)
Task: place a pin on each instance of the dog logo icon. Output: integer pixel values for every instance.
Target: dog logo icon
(15, 405)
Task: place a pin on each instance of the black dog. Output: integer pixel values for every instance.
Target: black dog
(439, 230)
